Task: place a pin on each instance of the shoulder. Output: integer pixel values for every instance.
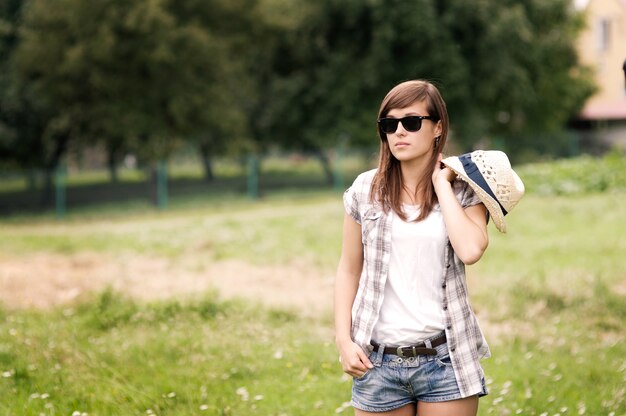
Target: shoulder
(356, 197)
(363, 183)
(365, 178)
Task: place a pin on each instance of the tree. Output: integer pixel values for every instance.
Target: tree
(127, 73)
(504, 68)
(520, 65)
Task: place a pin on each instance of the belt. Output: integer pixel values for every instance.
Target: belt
(413, 350)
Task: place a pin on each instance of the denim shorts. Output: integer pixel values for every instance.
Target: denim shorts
(394, 381)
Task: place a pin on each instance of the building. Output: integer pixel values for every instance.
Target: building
(602, 46)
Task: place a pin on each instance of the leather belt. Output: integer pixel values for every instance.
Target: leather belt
(413, 350)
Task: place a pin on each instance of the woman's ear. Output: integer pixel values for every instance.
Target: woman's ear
(438, 129)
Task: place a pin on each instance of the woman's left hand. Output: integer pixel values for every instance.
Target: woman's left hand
(442, 173)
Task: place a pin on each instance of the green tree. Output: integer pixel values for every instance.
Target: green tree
(126, 73)
(22, 117)
(505, 68)
(520, 67)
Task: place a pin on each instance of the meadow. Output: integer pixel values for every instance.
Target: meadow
(550, 295)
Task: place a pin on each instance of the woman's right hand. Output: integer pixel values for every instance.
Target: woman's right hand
(353, 359)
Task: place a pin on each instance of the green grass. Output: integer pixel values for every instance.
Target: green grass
(550, 295)
(114, 357)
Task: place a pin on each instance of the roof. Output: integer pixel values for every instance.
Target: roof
(604, 111)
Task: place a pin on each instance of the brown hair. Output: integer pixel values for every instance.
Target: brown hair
(387, 183)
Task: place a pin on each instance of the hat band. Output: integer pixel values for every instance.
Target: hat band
(474, 174)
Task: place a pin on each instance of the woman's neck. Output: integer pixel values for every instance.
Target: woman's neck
(412, 172)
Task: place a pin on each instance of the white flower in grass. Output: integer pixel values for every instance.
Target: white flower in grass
(544, 414)
(563, 409)
(278, 354)
(204, 407)
(243, 393)
(171, 395)
(343, 407)
(44, 396)
(528, 393)
(258, 397)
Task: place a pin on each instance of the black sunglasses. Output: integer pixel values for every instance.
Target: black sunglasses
(410, 123)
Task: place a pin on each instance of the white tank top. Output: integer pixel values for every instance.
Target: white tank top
(412, 304)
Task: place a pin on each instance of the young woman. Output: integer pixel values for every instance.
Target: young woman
(405, 329)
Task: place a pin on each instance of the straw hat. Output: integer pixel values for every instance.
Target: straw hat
(489, 173)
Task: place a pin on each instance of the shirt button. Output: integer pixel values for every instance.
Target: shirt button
(452, 349)
(449, 327)
(445, 307)
(448, 266)
(443, 286)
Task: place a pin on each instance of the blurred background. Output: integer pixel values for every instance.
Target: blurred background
(170, 196)
(143, 91)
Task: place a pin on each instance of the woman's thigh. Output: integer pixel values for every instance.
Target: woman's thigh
(462, 407)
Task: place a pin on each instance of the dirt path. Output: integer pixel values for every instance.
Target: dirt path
(45, 280)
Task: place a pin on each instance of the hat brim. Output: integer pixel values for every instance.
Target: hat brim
(491, 204)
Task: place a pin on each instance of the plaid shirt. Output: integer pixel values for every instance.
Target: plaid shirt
(466, 342)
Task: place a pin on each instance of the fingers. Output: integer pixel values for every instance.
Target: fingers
(355, 362)
(364, 359)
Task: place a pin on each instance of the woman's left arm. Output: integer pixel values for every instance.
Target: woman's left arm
(467, 228)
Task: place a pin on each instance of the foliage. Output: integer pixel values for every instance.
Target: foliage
(505, 68)
(243, 76)
(581, 175)
(118, 70)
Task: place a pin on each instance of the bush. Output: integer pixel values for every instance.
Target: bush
(575, 176)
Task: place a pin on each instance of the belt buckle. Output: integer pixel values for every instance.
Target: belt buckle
(400, 353)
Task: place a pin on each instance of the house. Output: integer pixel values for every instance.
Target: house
(602, 46)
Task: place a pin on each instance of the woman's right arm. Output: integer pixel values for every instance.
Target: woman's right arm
(352, 357)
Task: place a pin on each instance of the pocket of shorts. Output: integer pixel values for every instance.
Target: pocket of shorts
(364, 377)
(444, 360)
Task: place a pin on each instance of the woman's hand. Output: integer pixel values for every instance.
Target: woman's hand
(442, 175)
(353, 359)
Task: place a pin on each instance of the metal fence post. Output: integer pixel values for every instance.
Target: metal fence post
(60, 176)
(253, 176)
(162, 184)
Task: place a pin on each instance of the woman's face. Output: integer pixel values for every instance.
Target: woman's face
(406, 145)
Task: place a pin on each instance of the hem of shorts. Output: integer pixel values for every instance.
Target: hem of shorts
(378, 409)
(459, 396)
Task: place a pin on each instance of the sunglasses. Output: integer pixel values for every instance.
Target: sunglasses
(410, 123)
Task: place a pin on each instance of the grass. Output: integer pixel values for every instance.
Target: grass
(550, 294)
(114, 357)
